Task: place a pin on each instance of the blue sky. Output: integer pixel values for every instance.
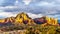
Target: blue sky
(34, 8)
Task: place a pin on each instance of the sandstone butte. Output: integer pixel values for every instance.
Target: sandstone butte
(23, 18)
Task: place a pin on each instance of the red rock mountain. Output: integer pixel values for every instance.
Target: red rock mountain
(23, 18)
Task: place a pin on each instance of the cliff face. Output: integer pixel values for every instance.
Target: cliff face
(23, 18)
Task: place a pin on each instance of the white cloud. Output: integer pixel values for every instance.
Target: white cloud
(9, 14)
(41, 15)
(16, 2)
(8, 7)
(27, 2)
(57, 1)
(6, 14)
(43, 3)
(34, 15)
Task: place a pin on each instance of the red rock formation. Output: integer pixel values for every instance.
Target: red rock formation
(23, 18)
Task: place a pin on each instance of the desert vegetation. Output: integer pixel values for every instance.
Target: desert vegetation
(29, 29)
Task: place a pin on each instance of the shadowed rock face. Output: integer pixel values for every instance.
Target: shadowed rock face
(41, 20)
(25, 22)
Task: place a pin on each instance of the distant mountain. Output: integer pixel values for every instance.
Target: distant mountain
(41, 20)
(23, 18)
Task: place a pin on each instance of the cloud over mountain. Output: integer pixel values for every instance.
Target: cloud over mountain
(45, 7)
